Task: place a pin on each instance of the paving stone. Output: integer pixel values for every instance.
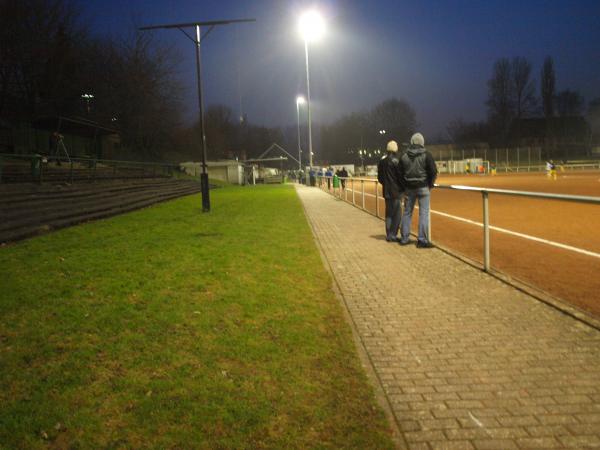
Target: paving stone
(488, 359)
(495, 444)
(549, 430)
(580, 441)
(518, 421)
(454, 445)
(543, 443)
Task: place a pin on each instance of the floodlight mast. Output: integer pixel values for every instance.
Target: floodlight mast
(312, 28)
(299, 101)
(197, 40)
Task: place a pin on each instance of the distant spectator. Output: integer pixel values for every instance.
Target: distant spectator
(54, 143)
(552, 170)
(418, 174)
(388, 174)
(343, 175)
(329, 174)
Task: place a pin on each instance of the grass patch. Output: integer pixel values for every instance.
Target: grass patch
(170, 328)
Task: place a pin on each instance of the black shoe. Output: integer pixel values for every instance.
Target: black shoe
(405, 243)
(393, 239)
(424, 244)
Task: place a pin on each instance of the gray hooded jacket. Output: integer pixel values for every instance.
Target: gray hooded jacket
(418, 168)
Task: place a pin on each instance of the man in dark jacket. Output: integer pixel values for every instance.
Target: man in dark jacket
(388, 174)
(418, 174)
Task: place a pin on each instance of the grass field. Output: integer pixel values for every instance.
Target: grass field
(169, 328)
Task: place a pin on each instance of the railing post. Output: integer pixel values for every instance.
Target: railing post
(362, 188)
(1, 164)
(353, 201)
(486, 232)
(71, 173)
(94, 171)
(376, 199)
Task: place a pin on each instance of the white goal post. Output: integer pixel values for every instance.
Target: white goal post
(474, 166)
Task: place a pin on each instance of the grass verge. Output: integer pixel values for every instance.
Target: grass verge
(169, 328)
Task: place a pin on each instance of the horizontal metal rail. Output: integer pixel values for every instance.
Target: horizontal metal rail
(485, 193)
(563, 197)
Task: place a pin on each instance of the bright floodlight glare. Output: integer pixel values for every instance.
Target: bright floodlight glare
(312, 26)
(300, 100)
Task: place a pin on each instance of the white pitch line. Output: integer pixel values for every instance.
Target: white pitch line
(521, 235)
(514, 233)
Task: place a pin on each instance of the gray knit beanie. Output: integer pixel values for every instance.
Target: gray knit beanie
(417, 139)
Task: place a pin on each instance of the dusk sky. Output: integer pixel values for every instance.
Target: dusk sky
(437, 55)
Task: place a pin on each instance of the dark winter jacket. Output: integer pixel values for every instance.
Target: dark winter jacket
(388, 174)
(418, 168)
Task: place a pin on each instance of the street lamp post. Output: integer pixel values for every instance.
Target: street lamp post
(311, 28)
(197, 39)
(87, 98)
(299, 101)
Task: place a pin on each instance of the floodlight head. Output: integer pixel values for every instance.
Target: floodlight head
(300, 100)
(312, 26)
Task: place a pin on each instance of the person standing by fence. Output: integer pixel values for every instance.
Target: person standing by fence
(419, 172)
(388, 174)
(329, 174)
(343, 175)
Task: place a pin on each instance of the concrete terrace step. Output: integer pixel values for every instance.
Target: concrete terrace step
(27, 218)
(73, 199)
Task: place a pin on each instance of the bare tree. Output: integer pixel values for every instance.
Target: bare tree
(364, 130)
(500, 103)
(39, 43)
(548, 89)
(569, 103)
(462, 132)
(524, 89)
(136, 90)
(593, 115)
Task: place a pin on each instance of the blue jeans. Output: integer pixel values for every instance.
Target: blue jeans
(393, 215)
(422, 194)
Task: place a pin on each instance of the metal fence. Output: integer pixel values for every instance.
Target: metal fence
(350, 188)
(39, 168)
(514, 158)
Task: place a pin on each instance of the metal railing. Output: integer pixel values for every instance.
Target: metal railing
(351, 182)
(35, 167)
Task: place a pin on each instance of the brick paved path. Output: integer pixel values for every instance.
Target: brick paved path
(465, 361)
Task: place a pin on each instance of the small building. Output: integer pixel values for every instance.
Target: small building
(228, 171)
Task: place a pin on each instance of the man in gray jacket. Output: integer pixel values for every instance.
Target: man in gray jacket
(418, 173)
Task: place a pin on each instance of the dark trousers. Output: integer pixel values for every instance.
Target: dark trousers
(393, 215)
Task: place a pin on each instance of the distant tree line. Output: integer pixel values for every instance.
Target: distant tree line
(367, 132)
(49, 58)
(512, 96)
(229, 137)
